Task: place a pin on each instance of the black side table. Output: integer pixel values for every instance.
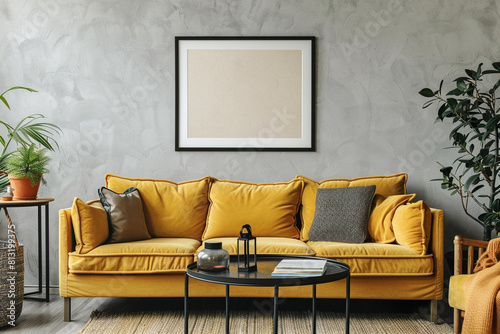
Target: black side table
(39, 202)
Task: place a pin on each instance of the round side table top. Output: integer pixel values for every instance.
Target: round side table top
(23, 202)
(335, 271)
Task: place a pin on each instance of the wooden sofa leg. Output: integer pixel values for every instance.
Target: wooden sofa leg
(434, 311)
(67, 309)
(456, 321)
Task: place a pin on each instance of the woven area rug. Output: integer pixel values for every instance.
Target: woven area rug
(253, 322)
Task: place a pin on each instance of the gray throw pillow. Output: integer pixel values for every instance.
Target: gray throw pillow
(342, 214)
(125, 215)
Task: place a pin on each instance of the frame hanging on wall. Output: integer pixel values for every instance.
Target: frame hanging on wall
(245, 93)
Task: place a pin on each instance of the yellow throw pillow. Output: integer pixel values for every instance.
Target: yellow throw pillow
(270, 208)
(380, 222)
(412, 226)
(385, 186)
(90, 224)
(176, 210)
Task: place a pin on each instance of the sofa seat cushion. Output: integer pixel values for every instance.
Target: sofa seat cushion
(267, 245)
(374, 259)
(157, 255)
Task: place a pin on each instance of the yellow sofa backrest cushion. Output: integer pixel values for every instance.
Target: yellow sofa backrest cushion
(90, 223)
(269, 208)
(385, 186)
(171, 209)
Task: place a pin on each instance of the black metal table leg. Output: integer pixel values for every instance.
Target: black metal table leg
(40, 278)
(47, 243)
(275, 313)
(227, 308)
(314, 309)
(347, 302)
(186, 297)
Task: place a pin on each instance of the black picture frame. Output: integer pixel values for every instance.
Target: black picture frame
(245, 93)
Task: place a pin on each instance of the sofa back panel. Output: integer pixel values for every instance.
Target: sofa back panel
(269, 208)
(171, 209)
(385, 186)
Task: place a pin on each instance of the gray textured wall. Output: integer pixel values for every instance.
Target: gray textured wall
(105, 72)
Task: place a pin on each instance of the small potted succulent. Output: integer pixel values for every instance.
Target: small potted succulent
(26, 168)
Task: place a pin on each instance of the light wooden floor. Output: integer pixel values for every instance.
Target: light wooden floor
(39, 317)
(43, 318)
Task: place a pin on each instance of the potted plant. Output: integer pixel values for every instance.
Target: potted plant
(30, 130)
(25, 168)
(474, 174)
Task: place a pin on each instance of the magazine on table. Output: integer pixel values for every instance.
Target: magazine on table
(302, 267)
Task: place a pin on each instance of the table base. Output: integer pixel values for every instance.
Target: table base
(275, 306)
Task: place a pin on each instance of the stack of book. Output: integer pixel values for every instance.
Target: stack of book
(299, 268)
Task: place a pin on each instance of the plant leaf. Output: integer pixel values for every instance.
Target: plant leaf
(4, 101)
(492, 90)
(426, 92)
(473, 180)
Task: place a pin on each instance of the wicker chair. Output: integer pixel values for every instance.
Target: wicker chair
(456, 296)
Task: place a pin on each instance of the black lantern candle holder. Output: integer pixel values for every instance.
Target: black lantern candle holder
(247, 254)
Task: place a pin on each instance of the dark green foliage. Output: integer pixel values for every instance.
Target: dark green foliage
(474, 174)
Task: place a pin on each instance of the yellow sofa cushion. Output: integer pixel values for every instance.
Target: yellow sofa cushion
(90, 224)
(412, 226)
(380, 223)
(456, 295)
(269, 208)
(157, 255)
(172, 210)
(375, 259)
(266, 245)
(385, 186)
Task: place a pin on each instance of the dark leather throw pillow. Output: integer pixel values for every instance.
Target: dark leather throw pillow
(125, 215)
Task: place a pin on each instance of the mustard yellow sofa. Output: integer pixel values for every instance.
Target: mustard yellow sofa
(401, 258)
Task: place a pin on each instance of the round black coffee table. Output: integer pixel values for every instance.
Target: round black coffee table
(335, 271)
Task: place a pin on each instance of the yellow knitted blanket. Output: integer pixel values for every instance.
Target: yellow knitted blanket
(482, 293)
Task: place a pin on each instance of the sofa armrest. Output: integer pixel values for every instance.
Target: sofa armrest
(461, 242)
(437, 249)
(66, 245)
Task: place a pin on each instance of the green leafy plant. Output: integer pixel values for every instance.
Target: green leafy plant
(28, 162)
(474, 175)
(30, 130)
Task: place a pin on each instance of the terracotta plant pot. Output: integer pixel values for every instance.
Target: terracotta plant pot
(23, 190)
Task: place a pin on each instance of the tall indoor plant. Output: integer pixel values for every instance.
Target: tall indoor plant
(30, 130)
(474, 174)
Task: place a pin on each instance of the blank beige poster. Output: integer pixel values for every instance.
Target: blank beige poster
(244, 94)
